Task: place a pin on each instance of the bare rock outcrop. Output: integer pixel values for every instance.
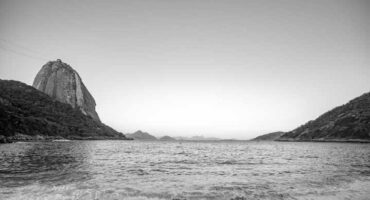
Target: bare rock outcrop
(62, 82)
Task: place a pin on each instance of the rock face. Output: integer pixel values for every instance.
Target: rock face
(29, 114)
(140, 135)
(349, 122)
(269, 136)
(62, 82)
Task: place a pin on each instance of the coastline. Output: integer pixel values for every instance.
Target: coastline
(44, 138)
(323, 140)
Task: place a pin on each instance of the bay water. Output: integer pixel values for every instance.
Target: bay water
(184, 170)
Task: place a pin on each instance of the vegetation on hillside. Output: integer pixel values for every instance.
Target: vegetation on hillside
(27, 111)
(347, 122)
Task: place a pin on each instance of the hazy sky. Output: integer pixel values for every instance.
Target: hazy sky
(229, 69)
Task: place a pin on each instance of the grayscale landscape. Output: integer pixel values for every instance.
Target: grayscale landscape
(184, 100)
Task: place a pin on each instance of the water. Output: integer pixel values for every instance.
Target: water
(187, 170)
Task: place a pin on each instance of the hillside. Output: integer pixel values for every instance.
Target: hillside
(269, 136)
(140, 135)
(349, 122)
(167, 138)
(28, 114)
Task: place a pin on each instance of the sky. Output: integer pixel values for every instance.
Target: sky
(227, 69)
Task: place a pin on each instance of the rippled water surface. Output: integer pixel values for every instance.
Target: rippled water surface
(184, 170)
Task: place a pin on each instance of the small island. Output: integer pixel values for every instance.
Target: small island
(167, 138)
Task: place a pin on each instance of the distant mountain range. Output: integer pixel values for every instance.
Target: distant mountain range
(197, 138)
(349, 122)
(140, 135)
(167, 138)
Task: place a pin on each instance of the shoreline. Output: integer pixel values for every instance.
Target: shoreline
(42, 138)
(325, 140)
(46, 138)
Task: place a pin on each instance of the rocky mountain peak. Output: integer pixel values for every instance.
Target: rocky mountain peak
(60, 81)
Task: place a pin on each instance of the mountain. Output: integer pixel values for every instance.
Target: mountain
(197, 138)
(139, 135)
(62, 82)
(29, 114)
(349, 122)
(167, 138)
(269, 136)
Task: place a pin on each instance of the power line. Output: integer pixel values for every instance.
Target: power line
(19, 50)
